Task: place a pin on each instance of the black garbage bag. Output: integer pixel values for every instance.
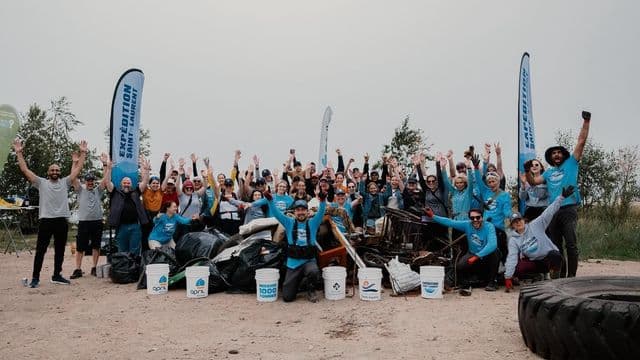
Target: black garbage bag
(198, 244)
(240, 271)
(217, 283)
(125, 268)
(162, 255)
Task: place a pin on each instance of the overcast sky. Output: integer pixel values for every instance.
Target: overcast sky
(258, 75)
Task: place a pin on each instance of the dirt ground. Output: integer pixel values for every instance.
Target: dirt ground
(96, 319)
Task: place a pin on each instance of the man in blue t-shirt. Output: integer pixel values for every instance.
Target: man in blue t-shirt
(562, 173)
(301, 246)
(481, 258)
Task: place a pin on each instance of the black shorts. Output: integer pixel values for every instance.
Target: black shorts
(89, 233)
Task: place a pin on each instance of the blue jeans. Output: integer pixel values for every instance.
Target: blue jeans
(128, 237)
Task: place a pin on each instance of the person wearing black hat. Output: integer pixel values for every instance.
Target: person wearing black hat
(90, 217)
(301, 246)
(562, 173)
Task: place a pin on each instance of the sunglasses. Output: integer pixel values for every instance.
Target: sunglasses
(475, 217)
(430, 181)
(189, 188)
(197, 180)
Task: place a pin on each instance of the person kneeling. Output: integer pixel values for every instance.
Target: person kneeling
(301, 250)
(164, 225)
(482, 258)
(530, 249)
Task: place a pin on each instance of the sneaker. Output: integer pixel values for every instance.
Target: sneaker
(59, 279)
(93, 271)
(76, 274)
(34, 283)
(491, 287)
(465, 291)
(312, 296)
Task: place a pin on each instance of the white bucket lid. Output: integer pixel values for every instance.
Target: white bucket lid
(334, 269)
(433, 270)
(157, 268)
(197, 271)
(369, 272)
(268, 274)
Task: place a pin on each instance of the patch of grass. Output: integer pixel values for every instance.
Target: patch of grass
(602, 239)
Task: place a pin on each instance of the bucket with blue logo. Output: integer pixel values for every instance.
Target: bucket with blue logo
(267, 284)
(157, 279)
(197, 281)
(431, 281)
(370, 284)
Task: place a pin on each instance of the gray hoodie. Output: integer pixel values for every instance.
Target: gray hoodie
(533, 243)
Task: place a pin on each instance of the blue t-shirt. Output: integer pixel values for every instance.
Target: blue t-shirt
(164, 227)
(301, 231)
(564, 175)
(498, 204)
(482, 242)
(282, 202)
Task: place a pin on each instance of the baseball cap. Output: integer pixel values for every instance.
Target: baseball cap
(260, 181)
(266, 173)
(515, 216)
(187, 183)
(300, 204)
(412, 180)
(89, 176)
(339, 191)
(228, 182)
(171, 181)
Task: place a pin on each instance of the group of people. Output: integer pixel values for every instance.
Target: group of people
(467, 197)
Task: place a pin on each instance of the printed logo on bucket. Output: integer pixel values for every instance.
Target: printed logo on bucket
(369, 287)
(199, 287)
(162, 284)
(430, 287)
(268, 290)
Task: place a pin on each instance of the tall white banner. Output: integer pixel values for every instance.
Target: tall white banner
(324, 134)
(125, 126)
(526, 130)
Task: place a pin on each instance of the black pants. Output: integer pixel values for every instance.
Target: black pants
(58, 228)
(562, 229)
(309, 272)
(531, 213)
(485, 268)
(146, 230)
(503, 245)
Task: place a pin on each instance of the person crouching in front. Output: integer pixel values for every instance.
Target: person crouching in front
(530, 249)
(301, 250)
(165, 224)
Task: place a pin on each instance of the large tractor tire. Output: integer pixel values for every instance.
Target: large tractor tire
(594, 317)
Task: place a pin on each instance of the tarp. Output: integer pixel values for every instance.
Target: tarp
(9, 125)
(125, 126)
(526, 130)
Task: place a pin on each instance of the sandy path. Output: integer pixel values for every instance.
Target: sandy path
(94, 318)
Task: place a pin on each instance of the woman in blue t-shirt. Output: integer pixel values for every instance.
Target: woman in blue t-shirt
(165, 224)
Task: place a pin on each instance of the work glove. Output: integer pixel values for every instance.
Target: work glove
(568, 191)
(322, 196)
(429, 212)
(472, 259)
(267, 195)
(508, 285)
(475, 159)
(586, 115)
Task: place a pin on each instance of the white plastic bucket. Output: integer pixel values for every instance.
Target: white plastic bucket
(335, 279)
(370, 283)
(431, 281)
(267, 284)
(197, 281)
(157, 278)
